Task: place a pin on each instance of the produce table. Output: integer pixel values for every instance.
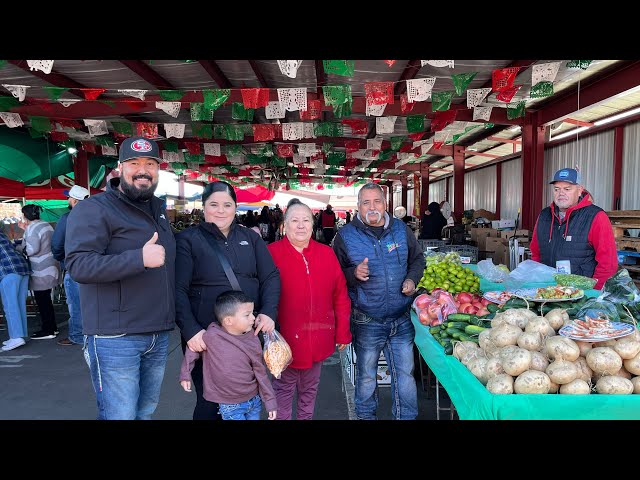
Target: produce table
(474, 402)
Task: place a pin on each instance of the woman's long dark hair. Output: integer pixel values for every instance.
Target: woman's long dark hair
(32, 211)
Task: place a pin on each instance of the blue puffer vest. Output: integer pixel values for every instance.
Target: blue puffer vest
(381, 296)
(568, 240)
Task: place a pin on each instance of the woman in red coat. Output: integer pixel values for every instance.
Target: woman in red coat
(313, 311)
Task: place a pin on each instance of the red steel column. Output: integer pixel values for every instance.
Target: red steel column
(81, 169)
(458, 182)
(403, 201)
(424, 192)
(533, 183)
(618, 141)
(498, 187)
(388, 187)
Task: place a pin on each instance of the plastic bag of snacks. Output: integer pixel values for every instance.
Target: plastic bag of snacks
(277, 353)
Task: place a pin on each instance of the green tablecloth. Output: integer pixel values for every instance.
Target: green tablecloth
(474, 402)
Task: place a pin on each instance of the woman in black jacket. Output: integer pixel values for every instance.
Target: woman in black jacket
(432, 223)
(200, 277)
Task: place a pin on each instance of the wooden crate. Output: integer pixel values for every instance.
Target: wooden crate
(622, 220)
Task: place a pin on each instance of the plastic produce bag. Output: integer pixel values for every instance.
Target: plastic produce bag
(577, 281)
(529, 271)
(599, 308)
(276, 352)
(491, 272)
(623, 294)
(434, 309)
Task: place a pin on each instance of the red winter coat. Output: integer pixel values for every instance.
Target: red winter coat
(314, 307)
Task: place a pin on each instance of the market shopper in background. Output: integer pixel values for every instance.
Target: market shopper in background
(313, 312)
(432, 223)
(382, 263)
(71, 288)
(328, 222)
(201, 277)
(121, 250)
(573, 229)
(14, 287)
(45, 275)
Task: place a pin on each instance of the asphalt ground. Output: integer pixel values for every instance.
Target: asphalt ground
(46, 381)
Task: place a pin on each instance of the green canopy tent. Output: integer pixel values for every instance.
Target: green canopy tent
(46, 170)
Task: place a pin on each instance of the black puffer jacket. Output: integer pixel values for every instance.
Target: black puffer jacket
(200, 277)
(103, 243)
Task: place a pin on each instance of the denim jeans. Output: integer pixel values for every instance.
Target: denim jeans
(127, 373)
(395, 338)
(249, 410)
(14, 289)
(73, 302)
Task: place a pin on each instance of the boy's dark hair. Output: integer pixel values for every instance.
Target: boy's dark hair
(227, 303)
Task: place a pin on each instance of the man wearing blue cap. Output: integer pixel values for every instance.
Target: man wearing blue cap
(121, 250)
(71, 288)
(573, 232)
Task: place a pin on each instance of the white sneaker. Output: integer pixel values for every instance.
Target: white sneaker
(13, 343)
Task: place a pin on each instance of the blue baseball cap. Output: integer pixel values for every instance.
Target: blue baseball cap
(139, 147)
(569, 175)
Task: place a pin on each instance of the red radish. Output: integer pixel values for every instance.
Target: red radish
(422, 301)
(482, 312)
(485, 302)
(477, 304)
(464, 297)
(469, 309)
(424, 317)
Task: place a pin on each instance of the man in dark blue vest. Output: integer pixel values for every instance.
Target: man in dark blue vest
(572, 229)
(382, 263)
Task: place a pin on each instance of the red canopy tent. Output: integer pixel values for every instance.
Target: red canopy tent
(52, 189)
(253, 194)
(11, 188)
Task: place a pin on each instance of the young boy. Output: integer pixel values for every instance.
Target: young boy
(234, 372)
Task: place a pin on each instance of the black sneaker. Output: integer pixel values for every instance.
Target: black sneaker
(42, 335)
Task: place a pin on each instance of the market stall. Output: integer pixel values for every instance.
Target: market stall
(474, 402)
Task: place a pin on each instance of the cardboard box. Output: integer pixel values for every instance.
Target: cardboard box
(524, 234)
(480, 235)
(503, 223)
(498, 250)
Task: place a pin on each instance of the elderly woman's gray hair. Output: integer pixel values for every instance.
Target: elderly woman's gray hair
(295, 202)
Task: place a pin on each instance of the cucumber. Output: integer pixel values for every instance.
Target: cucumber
(477, 321)
(454, 331)
(514, 302)
(448, 350)
(459, 325)
(459, 317)
(444, 334)
(492, 307)
(468, 338)
(433, 330)
(473, 330)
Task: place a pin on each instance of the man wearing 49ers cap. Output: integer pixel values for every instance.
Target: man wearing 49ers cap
(121, 250)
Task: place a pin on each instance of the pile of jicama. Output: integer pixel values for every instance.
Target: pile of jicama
(522, 353)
